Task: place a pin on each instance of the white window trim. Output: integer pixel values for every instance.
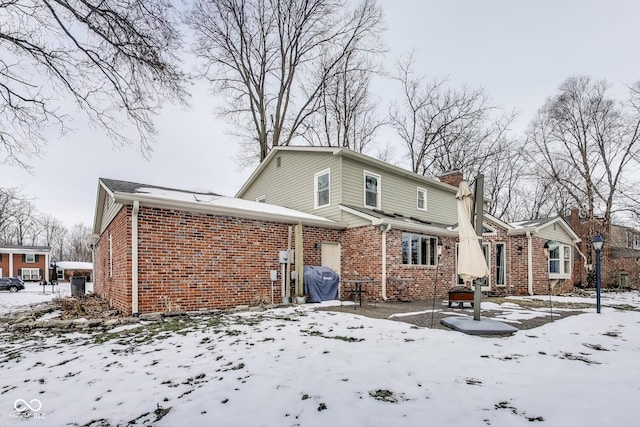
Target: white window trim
(504, 254)
(562, 274)
(433, 254)
(315, 188)
(424, 198)
(378, 193)
(31, 275)
(30, 258)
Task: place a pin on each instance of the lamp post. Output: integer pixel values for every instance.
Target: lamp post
(597, 245)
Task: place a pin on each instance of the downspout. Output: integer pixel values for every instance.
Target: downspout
(385, 229)
(529, 264)
(134, 258)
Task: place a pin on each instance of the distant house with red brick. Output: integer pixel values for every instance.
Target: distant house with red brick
(160, 248)
(620, 261)
(29, 263)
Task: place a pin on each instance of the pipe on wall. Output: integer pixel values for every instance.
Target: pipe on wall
(385, 229)
(134, 258)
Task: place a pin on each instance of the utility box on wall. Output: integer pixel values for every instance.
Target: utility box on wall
(282, 257)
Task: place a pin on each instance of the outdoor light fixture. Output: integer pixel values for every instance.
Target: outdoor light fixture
(597, 243)
(439, 247)
(519, 248)
(546, 249)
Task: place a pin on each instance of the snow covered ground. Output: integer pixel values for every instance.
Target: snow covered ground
(298, 366)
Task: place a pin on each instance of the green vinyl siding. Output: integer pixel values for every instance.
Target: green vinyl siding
(398, 193)
(557, 235)
(292, 183)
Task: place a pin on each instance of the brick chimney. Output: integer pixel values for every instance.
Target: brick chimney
(452, 178)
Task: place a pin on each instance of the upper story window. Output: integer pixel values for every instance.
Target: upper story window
(422, 199)
(30, 258)
(371, 190)
(321, 183)
(560, 261)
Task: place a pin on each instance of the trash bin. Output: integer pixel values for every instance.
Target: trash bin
(77, 285)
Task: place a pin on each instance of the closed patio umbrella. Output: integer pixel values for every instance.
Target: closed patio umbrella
(471, 261)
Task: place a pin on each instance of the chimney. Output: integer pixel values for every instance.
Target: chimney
(452, 178)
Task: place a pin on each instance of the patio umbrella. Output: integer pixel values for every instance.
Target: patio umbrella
(471, 261)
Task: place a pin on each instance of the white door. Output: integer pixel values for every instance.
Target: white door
(330, 256)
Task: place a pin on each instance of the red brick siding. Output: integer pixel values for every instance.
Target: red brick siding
(192, 261)
(4, 264)
(115, 289)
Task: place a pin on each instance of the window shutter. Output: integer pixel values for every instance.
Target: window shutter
(39, 271)
(37, 256)
(24, 257)
(20, 271)
(0, 257)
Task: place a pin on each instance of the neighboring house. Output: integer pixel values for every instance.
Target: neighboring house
(30, 263)
(620, 258)
(160, 249)
(68, 269)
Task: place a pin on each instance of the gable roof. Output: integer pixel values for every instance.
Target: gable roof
(125, 193)
(345, 152)
(535, 225)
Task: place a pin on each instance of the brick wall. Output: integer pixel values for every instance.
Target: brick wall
(115, 288)
(192, 261)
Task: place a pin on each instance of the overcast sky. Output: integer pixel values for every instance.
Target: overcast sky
(519, 51)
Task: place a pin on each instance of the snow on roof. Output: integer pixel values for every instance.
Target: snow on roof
(74, 265)
(225, 202)
(531, 222)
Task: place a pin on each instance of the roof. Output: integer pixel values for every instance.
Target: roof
(535, 225)
(125, 193)
(24, 249)
(74, 265)
(397, 220)
(339, 151)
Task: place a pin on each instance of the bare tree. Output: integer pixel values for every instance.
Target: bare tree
(503, 179)
(10, 199)
(115, 59)
(78, 243)
(446, 129)
(272, 59)
(587, 143)
(23, 222)
(347, 111)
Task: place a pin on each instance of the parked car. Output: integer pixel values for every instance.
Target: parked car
(11, 284)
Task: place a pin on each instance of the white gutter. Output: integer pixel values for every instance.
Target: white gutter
(384, 230)
(134, 258)
(529, 264)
